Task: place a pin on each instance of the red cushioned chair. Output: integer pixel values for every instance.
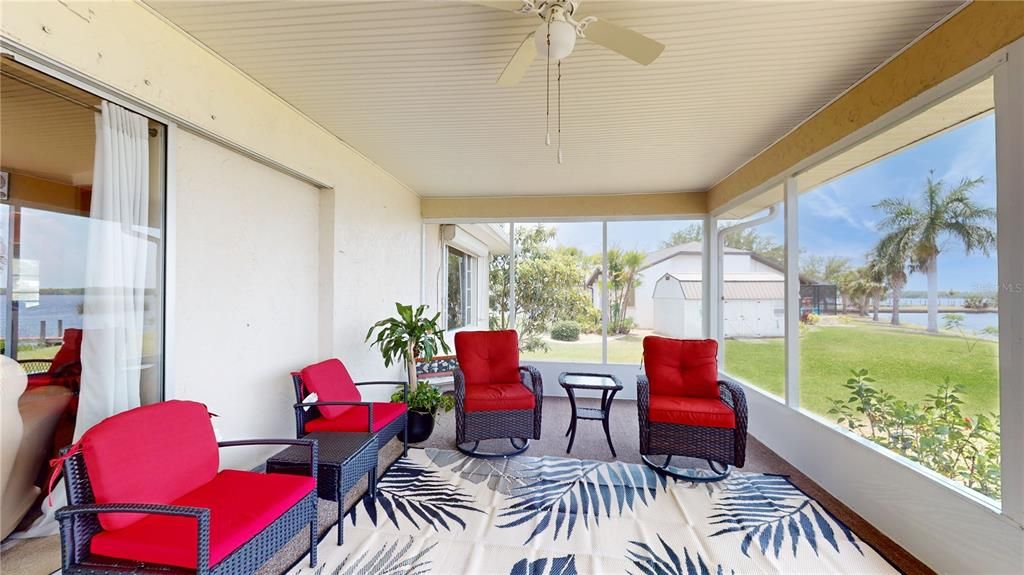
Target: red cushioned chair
(340, 406)
(65, 369)
(685, 410)
(146, 496)
(495, 397)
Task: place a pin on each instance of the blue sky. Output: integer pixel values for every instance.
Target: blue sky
(838, 218)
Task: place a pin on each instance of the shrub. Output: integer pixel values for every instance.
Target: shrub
(811, 318)
(622, 327)
(425, 398)
(976, 302)
(934, 432)
(589, 320)
(566, 331)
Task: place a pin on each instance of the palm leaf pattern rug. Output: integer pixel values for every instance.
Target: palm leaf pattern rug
(439, 511)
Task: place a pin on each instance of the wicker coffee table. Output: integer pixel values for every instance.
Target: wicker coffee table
(607, 384)
(344, 459)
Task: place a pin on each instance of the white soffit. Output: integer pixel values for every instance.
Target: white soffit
(412, 84)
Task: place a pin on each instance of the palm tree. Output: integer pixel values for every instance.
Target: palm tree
(623, 279)
(874, 282)
(943, 213)
(890, 258)
(846, 283)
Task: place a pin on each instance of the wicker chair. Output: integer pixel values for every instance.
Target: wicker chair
(65, 369)
(146, 496)
(495, 397)
(339, 406)
(684, 410)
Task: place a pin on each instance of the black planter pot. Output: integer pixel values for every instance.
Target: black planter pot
(421, 425)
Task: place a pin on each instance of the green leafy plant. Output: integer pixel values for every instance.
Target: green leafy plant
(409, 335)
(425, 398)
(933, 432)
(566, 331)
(955, 322)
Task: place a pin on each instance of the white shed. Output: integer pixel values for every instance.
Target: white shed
(754, 305)
(677, 306)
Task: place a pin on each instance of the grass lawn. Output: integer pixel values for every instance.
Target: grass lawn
(38, 352)
(906, 363)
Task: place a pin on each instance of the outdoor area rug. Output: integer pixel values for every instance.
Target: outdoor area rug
(439, 511)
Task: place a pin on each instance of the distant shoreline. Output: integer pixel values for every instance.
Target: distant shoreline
(942, 309)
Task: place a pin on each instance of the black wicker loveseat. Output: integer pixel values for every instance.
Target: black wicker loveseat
(145, 496)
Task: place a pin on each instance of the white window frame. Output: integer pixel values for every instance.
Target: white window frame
(469, 289)
(1006, 67)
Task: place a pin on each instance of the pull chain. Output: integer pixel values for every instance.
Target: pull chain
(547, 90)
(559, 111)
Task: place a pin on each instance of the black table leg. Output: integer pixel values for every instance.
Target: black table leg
(572, 423)
(371, 484)
(606, 406)
(341, 506)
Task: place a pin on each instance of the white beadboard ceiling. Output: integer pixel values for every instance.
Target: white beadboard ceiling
(412, 84)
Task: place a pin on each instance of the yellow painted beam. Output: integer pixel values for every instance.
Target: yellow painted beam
(968, 37)
(571, 207)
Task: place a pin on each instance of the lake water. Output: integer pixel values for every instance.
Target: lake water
(51, 308)
(973, 322)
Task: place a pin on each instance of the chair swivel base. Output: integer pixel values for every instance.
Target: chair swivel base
(475, 450)
(719, 471)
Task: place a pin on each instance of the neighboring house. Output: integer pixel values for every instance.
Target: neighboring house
(456, 263)
(668, 297)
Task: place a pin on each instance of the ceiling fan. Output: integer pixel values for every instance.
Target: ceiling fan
(559, 28)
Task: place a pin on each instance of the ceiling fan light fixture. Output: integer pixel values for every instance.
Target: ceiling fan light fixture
(563, 39)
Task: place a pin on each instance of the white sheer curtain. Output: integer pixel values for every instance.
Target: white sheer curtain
(115, 276)
(115, 280)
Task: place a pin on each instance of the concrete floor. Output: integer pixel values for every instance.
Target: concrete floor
(42, 556)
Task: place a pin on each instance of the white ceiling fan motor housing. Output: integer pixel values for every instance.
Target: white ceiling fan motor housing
(563, 39)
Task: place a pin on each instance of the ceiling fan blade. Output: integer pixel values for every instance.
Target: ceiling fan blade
(520, 62)
(506, 5)
(630, 44)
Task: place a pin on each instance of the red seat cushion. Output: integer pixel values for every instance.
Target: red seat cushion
(682, 367)
(487, 357)
(355, 418)
(241, 504)
(41, 379)
(498, 397)
(696, 411)
(330, 381)
(151, 454)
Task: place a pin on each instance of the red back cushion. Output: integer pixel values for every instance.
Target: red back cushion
(70, 351)
(487, 357)
(151, 454)
(682, 367)
(330, 381)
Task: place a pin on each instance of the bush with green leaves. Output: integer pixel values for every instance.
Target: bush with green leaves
(425, 398)
(566, 331)
(933, 432)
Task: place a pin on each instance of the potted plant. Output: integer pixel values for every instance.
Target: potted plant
(403, 338)
(424, 402)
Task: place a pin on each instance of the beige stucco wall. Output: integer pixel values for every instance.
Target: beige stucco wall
(245, 288)
(339, 258)
(529, 208)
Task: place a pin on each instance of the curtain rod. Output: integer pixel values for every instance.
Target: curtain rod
(153, 132)
(49, 91)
